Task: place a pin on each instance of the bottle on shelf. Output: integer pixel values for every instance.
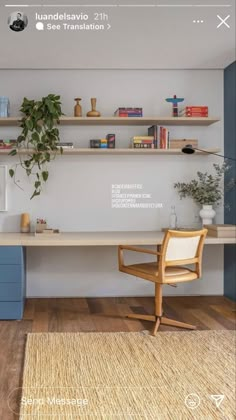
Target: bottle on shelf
(173, 218)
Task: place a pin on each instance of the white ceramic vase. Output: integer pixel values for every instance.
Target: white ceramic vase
(207, 214)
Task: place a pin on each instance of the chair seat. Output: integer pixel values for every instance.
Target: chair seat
(172, 274)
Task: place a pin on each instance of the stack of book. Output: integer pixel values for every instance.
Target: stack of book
(106, 143)
(7, 144)
(221, 231)
(142, 142)
(98, 144)
(194, 111)
(129, 112)
(161, 136)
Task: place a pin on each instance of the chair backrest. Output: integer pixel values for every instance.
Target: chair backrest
(182, 248)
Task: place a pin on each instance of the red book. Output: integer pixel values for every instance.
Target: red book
(196, 108)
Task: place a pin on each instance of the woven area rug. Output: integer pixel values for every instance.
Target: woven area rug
(129, 376)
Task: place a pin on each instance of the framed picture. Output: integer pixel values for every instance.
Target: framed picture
(3, 187)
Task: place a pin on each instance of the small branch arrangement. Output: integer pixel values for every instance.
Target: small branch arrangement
(207, 189)
(39, 139)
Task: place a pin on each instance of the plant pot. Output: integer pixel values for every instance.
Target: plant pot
(40, 227)
(207, 214)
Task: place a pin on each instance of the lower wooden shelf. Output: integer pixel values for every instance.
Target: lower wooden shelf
(88, 151)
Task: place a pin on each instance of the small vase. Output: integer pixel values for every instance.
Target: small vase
(207, 214)
(78, 108)
(93, 112)
(25, 223)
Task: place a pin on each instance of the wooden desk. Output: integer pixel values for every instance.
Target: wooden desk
(94, 239)
(13, 265)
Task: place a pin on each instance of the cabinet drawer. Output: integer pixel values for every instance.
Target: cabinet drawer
(11, 310)
(11, 255)
(11, 291)
(11, 273)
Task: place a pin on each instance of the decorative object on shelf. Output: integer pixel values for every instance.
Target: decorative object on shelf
(95, 143)
(181, 143)
(189, 150)
(41, 225)
(3, 187)
(175, 102)
(93, 112)
(78, 108)
(40, 137)
(207, 190)
(173, 218)
(111, 141)
(4, 107)
(207, 214)
(25, 223)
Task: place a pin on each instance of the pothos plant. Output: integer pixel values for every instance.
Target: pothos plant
(39, 139)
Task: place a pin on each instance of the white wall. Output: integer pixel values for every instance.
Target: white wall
(78, 194)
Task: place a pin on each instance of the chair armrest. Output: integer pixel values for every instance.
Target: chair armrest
(143, 250)
(121, 248)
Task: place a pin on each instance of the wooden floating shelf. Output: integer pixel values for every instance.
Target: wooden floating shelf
(175, 121)
(87, 151)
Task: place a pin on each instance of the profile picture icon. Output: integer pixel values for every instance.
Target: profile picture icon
(17, 21)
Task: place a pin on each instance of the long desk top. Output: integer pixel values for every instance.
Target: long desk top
(94, 239)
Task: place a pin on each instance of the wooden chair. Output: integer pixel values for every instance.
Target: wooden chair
(179, 248)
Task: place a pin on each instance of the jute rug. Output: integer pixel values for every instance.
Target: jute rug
(129, 376)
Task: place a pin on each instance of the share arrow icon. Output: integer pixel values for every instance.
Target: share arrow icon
(217, 399)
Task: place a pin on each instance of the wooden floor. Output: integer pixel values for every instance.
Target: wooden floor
(101, 314)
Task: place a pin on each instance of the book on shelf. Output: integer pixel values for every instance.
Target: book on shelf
(142, 142)
(103, 143)
(7, 144)
(194, 111)
(66, 145)
(164, 138)
(138, 138)
(154, 131)
(161, 136)
(221, 231)
(143, 146)
(129, 112)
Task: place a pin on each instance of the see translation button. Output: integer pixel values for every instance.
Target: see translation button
(223, 22)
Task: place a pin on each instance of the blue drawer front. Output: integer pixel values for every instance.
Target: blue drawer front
(11, 291)
(11, 273)
(11, 310)
(11, 255)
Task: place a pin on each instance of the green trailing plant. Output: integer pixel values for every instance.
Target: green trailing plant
(207, 188)
(38, 142)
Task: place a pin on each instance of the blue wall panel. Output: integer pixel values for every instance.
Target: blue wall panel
(230, 197)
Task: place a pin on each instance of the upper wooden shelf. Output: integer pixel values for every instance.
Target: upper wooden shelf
(175, 121)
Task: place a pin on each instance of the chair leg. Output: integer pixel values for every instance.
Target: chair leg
(158, 318)
(156, 326)
(174, 323)
(158, 300)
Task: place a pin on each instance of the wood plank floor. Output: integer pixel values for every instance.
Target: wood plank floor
(101, 314)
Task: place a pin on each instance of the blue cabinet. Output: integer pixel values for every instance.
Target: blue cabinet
(12, 282)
